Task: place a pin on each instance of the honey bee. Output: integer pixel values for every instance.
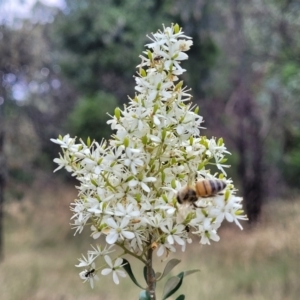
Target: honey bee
(158, 58)
(201, 189)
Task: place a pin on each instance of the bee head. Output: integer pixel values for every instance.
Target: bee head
(187, 194)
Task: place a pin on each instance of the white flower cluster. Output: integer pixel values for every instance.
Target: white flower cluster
(128, 185)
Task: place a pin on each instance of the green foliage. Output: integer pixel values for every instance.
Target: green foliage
(168, 268)
(231, 267)
(289, 72)
(174, 283)
(21, 176)
(202, 59)
(89, 117)
(144, 295)
(101, 41)
(290, 164)
(127, 268)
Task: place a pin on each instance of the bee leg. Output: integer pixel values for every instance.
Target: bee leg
(196, 206)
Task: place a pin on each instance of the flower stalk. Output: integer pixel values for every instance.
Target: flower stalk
(129, 185)
(151, 281)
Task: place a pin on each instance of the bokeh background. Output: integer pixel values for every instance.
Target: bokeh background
(65, 64)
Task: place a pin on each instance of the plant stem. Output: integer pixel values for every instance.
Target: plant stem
(150, 275)
(131, 253)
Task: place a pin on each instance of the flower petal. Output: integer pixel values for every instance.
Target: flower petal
(160, 250)
(118, 262)
(108, 261)
(124, 222)
(121, 273)
(115, 277)
(112, 223)
(106, 271)
(112, 237)
(128, 234)
(145, 187)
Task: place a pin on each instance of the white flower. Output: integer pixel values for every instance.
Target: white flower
(64, 142)
(227, 209)
(84, 262)
(156, 221)
(117, 230)
(80, 215)
(137, 242)
(207, 231)
(114, 268)
(128, 185)
(174, 234)
(63, 163)
(128, 211)
(97, 251)
(133, 161)
(142, 182)
(89, 275)
(165, 248)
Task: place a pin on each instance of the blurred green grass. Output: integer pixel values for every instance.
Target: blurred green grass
(40, 254)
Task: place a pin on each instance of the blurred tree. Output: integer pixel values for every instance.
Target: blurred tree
(98, 46)
(260, 103)
(243, 70)
(92, 34)
(36, 92)
(2, 164)
(101, 40)
(28, 104)
(89, 117)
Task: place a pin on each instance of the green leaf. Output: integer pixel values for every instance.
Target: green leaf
(143, 72)
(94, 182)
(126, 141)
(163, 176)
(149, 53)
(163, 134)
(127, 268)
(173, 183)
(220, 141)
(227, 194)
(181, 297)
(144, 139)
(145, 273)
(88, 141)
(186, 273)
(178, 85)
(129, 178)
(117, 113)
(157, 275)
(172, 285)
(176, 28)
(169, 266)
(201, 165)
(144, 295)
